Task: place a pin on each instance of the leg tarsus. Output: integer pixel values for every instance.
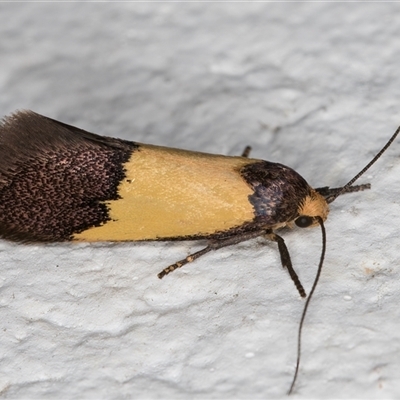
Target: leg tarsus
(286, 261)
(212, 245)
(181, 263)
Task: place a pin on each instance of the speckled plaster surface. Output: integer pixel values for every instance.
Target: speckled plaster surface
(315, 86)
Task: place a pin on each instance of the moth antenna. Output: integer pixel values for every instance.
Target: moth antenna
(303, 316)
(330, 198)
(333, 197)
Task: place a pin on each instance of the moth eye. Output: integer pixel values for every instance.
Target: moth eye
(304, 221)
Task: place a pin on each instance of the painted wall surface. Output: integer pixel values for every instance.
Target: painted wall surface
(313, 86)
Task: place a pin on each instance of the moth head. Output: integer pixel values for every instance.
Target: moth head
(313, 206)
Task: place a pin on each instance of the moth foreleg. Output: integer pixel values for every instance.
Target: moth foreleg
(286, 261)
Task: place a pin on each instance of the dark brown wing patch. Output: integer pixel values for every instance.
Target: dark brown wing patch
(54, 178)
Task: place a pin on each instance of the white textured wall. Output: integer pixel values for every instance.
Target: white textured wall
(314, 86)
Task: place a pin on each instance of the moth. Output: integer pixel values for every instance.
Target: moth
(61, 183)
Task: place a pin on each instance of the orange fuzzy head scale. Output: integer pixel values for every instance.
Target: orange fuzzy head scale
(314, 205)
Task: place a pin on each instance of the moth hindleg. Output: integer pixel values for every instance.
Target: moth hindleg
(213, 244)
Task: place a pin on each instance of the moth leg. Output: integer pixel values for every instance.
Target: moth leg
(246, 151)
(212, 245)
(286, 261)
(326, 191)
(186, 260)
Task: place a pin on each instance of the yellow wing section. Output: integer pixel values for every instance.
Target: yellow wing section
(171, 193)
